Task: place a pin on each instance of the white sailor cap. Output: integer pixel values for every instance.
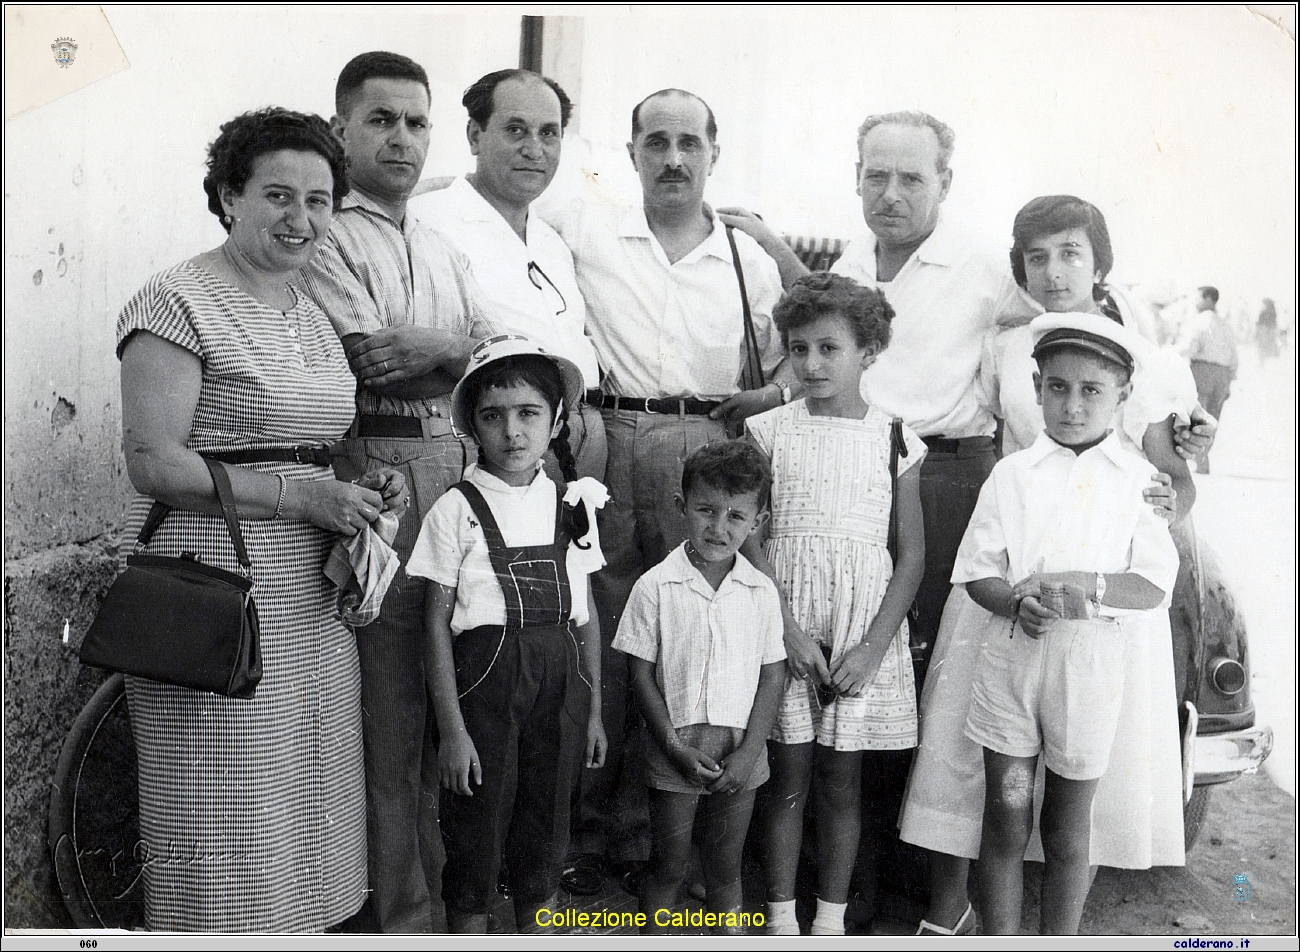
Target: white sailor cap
(1093, 332)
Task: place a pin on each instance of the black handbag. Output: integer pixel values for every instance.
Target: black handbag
(179, 621)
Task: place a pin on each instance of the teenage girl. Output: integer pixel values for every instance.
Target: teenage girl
(850, 704)
(1061, 256)
(514, 653)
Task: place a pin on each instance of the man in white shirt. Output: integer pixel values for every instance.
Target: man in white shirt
(523, 268)
(665, 314)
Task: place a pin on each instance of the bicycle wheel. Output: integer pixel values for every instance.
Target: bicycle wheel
(94, 833)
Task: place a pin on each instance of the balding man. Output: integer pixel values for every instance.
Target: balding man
(664, 311)
(524, 269)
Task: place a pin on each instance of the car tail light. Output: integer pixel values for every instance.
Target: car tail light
(1228, 676)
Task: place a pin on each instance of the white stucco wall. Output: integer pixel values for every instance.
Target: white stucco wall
(104, 188)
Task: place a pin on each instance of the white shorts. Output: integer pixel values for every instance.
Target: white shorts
(1059, 694)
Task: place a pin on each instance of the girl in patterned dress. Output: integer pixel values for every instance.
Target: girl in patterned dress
(850, 701)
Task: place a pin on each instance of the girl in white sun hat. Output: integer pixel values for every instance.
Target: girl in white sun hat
(513, 651)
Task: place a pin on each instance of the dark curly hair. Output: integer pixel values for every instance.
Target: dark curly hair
(246, 138)
(478, 98)
(734, 466)
(1053, 214)
(815, 295)
(543, 374)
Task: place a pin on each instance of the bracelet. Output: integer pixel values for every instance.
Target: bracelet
(284, 489)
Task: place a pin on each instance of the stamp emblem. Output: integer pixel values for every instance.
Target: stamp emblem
(65, 51)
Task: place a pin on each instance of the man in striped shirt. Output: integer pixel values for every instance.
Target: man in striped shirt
(403, 303)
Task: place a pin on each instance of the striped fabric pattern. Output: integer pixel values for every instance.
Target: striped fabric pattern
(831, 499)
(253, 811)
(373, 273)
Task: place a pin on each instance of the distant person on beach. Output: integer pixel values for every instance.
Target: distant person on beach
(1206, 341)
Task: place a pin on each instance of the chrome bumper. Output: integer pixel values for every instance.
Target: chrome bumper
(1223, 757)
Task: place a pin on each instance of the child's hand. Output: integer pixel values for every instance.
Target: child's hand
(390, 484)
(737, 767)
(597, 743)
(803, 656)
(1034, 617)
(695, 764)
(855, 671)
(458, 763)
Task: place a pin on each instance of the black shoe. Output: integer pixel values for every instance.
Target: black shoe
(584, 875)
(633, 874)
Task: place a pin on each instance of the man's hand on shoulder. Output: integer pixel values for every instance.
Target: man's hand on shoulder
(746, 404)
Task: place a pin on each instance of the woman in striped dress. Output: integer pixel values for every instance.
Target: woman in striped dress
(253, 811)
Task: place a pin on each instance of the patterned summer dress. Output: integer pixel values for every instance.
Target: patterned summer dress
(253, 812)
(831, 498)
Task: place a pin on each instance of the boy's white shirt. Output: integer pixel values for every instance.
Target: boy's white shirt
(452, 550)
(1046, 509)
(708, 646)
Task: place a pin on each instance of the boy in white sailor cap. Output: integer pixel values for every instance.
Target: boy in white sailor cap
(1071, 561)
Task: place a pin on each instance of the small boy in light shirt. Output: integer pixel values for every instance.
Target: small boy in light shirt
(1071, 561)
(703, 631)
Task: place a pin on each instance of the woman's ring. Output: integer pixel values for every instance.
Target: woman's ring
(384, 365)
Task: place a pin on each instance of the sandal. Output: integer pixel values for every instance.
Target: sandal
(965, 925)
(584, 876)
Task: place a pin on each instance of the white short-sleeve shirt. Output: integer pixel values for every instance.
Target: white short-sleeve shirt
(554, 317)
(452, 550)
(708, 646)
(946, 298)
(1046, 509)
(661, 328)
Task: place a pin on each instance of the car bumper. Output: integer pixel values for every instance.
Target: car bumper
(1223, 757)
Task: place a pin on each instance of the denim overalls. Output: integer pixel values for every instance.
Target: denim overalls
(525, 704)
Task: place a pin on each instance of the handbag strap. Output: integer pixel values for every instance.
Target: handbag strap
(751, 375)
(225, 495)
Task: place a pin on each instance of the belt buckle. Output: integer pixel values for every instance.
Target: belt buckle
(645, 405)
(307, 455)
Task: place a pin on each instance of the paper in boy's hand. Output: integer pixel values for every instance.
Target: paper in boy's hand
(1068, 601)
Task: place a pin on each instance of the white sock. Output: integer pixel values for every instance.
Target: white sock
(829, 919)
(779, 913)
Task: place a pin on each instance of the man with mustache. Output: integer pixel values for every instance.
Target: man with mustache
(664, 311)
(403, 302)
(516, 129)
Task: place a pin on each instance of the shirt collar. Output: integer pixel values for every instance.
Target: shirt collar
(1045, 446)
(473, 206)
(941, 248)
(678, 568)
(633, 224)
(354, 199)
(483, 479)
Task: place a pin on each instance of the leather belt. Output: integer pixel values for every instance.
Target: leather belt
(688, 405)
(385, 426)
(593, 397)
(959, 447)
(315, 455)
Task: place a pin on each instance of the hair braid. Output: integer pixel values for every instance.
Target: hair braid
(576, 524)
